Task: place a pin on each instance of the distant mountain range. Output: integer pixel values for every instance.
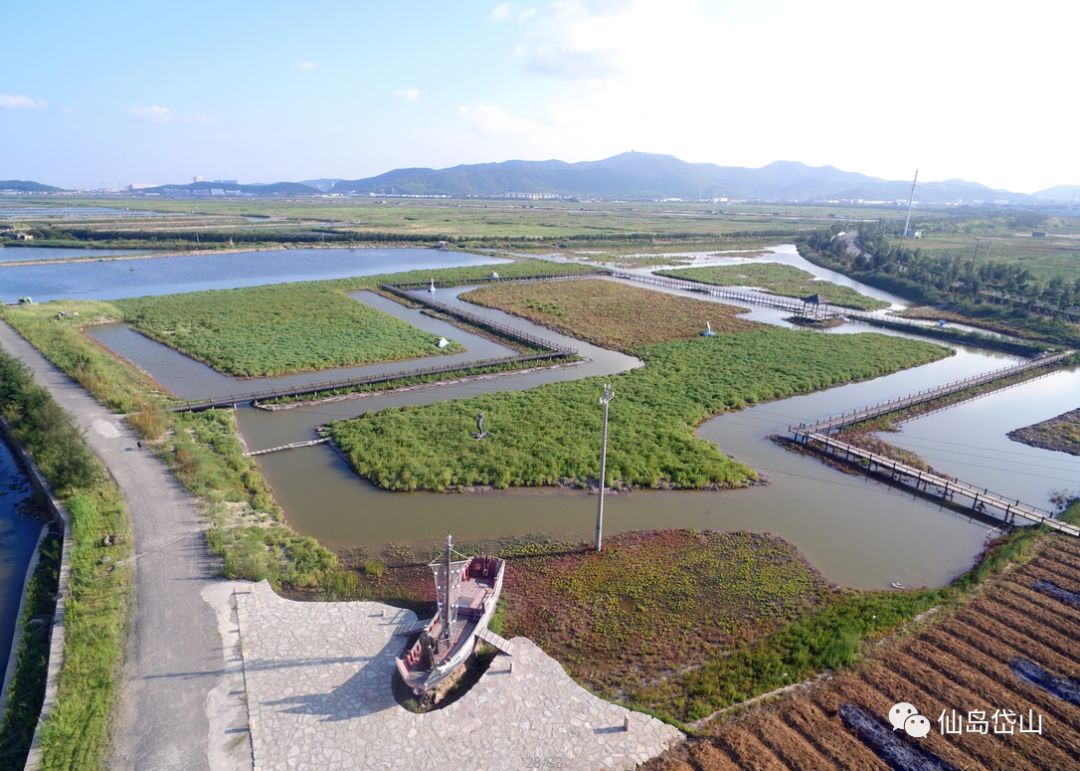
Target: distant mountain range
(644, 175)
(630, 175)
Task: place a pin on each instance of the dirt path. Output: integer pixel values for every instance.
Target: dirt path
(170, 714)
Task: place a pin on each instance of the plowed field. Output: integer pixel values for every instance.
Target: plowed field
(963, 662)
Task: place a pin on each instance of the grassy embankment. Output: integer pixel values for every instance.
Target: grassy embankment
(1061, 433)
(99, 594)
(203, 449)
(547, 435)
(829, 635)
(785, 280)
(275, 330)
(27, 688)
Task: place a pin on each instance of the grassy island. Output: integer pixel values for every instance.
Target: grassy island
(1061, 433)
(273, 330)
(548, 435)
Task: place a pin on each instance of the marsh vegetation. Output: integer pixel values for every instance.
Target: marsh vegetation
(275, 330)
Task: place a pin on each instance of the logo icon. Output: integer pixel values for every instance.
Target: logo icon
(906, 716)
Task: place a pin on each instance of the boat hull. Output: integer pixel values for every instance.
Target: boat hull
(424, 681)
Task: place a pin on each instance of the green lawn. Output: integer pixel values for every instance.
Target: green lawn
(779, 279)
(272, 330)
(548, 435)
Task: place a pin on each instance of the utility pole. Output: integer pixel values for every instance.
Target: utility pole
(604, 400)
(911, 200)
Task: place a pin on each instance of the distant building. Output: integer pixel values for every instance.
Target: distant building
(1038, 234)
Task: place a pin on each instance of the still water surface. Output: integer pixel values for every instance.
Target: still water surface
(222, 270)
(18, 536)
(970, 440)
(24, 253)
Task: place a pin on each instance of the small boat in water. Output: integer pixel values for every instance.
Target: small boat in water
(466, 604)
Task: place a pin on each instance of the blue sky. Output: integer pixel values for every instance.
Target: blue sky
(108, 92)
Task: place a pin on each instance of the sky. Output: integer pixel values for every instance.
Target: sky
(109, 93)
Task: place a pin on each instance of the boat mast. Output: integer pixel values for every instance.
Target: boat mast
(446, 598)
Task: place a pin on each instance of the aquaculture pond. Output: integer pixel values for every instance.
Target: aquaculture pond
(115, 279)
(18, 535)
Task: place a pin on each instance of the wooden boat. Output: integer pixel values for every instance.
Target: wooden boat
(466, 603)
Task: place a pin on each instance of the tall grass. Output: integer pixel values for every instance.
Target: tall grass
(100, 579)
(547, 435)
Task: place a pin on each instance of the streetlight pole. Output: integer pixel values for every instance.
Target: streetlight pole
(607, 397)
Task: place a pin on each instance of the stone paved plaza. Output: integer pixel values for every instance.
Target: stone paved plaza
(319, 694)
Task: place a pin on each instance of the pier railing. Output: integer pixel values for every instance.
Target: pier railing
(837, 422)
(232, 400)
(983, 501)
(791, 305)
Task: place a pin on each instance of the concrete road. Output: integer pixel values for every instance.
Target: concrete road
(179, 706)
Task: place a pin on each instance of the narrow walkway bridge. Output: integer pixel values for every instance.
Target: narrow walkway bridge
(982, 500)
(232, 400)
(816, 310)
(839, 422)
(792, 305)
(291, 446)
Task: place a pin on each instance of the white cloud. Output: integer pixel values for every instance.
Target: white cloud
(525, 15)
(501, 12)
(408, 94)
(491, 119)
(20, 102)
(307, 66)
(155, 113)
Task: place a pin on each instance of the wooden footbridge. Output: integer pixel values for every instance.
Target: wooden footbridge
(322, 386)
(789, 304)
(839, 422)
(819, 437)
(982, 501)
(290, 446)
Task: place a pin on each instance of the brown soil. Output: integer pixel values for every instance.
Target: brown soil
(609, 314)
(960, 661)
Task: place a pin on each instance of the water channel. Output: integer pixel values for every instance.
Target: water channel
(18, 535)
(858, 532)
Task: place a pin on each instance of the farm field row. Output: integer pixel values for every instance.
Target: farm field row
(961, 661)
